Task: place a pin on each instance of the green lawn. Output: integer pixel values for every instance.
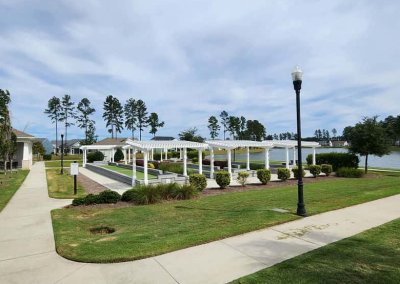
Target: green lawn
(9, 184)
(57, 164)
(128, 172)
(143, 231)
(62, 186)
(370, 257)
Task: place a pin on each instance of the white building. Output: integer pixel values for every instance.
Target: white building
(24, 155)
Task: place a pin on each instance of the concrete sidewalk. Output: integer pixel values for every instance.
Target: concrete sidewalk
(27, 253)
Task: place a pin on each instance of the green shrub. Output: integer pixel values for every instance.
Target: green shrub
(168, 190)
(95, 156)
(223, 179)
(128, 196)
(295, 171)
(171, 167)
(264, 175)
(118, 156)
(337, 160)
(315, 170)
(109, 196)
(326, 169)
(91, 199)
(192, 154)
(47, 157)
(283, 174)
(195, 160)
(242, 178)
(78, 201)
(185, 192)
(199, 181)
(349, 173)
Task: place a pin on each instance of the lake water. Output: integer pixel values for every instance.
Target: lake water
(277, 154)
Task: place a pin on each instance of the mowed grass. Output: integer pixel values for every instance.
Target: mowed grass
(57, 164)
(9, 184)
(143, 231)
(62, 186)
(370, 257)
(128, 172)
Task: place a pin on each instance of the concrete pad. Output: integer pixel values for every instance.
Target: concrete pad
(105, 181)
(214, 262)
(141, 271)
(269, 246)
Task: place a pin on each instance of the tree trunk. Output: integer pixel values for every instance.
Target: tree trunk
(366, 163)
(5, 167)
(56, 136)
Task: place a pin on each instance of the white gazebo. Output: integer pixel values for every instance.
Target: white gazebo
(110, 148)
(230, 145)
(292, 144)
(147, 147)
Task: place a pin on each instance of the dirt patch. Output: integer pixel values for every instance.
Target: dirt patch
(90, 185)
(102, 230)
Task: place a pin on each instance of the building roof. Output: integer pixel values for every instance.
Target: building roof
(112, 141)
(162, 138)
(233, 144)
(148, 145)
(21, 134)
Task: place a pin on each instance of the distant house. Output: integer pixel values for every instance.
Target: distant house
(325, 143)
(116, 142)
(70, 147)
(163, 138)
(48, 147)
(23, 155)
(340, 143)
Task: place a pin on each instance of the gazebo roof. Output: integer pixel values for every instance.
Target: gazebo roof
(148, 145)
(233, 144)
(293, 143)
(98, 147)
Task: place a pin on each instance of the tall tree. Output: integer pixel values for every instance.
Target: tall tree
(224, 121)
(334, 132)
(130, 110)
(91, 137)
(142, 119)
(83, 118)
(113, 115)
(234, 126)
(67, 113)
(256, 131)
(191, 135)
(213, 126)
(154, 123)
(243, 126)
(5, 127)
(368, 138)
(54, 112)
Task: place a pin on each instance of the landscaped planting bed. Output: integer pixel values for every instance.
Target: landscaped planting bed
(143, 231)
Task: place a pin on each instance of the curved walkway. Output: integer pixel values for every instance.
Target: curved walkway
(27, 253)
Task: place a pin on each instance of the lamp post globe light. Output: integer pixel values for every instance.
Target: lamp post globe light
(297, 76)
(62, 154)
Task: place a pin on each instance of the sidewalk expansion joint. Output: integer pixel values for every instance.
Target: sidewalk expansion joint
(24, 256)
(165, 270)
(241, 252)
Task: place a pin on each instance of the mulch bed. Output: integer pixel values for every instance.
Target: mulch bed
(90, 185)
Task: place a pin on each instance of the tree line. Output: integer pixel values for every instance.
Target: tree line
(8, 139)
(238, 128)
(133, 116)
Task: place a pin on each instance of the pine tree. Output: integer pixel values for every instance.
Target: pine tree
(142, 119)
(154, 123)
(53, 111)
(130, 110)
(113, 115)
(5, 128)
(67, 113)
(224, 121)
(213, 127)
(83, 119)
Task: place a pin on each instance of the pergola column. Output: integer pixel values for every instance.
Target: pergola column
(180, 154)
(152, 154)
(133, 167)
(200, 161)
(125, 157)
(84, 157)
(145, 162)
(314, 156)
(161, 158)
(248, 158)
(294, 156)
(112, 155)
(266, 158)
(212, 162)
(184, 161)
(230, 163)
(166, 154)
(287, 157)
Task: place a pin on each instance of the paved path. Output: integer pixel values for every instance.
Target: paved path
(27, 252)
(120, 187)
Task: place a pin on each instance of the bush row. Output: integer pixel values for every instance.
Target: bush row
(105, 197)
(95, 156)
(349, 173)
(337, 160)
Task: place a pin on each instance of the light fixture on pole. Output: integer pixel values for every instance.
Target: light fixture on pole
(62, 154)
(297, 76)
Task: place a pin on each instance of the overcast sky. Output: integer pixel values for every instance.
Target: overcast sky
(191, 59)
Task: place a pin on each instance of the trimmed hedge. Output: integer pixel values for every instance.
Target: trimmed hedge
(104, 197)
(171, 167)
(223, 179)
(283, 174)
(118, 156)
(315, 170)
(264, 175)
(349, 173)
(337, 160)
(221, 164)
(95, 156)
(242, 178)
(46, 157)
(295, 171)
(326, 169)
(198, 181)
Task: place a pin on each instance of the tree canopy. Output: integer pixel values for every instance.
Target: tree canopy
(154, 123)
(191, 135)
(113, 112)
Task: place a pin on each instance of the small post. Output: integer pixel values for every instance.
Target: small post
(74, 171)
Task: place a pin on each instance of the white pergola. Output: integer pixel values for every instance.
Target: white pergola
(292, 144)
(148, 147)
(98, 147)
(229, 145)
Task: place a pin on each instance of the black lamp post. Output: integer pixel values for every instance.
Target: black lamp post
(62, 154)
(297, 75)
